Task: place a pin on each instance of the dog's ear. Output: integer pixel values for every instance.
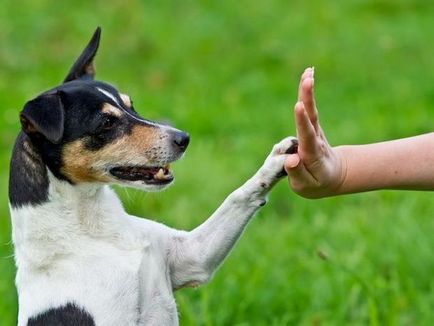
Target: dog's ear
(84, 68)
(44, 116)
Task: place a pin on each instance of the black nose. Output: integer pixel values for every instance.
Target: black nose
(181, 140)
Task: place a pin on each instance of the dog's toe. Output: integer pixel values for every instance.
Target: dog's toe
(288, 145)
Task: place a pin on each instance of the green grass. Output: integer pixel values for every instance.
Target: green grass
(227, 71)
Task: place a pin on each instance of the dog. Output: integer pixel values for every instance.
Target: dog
(81, 259)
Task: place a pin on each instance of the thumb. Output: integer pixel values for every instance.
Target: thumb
(292, 161)
(299, 176)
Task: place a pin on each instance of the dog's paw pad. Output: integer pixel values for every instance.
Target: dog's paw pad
(293, 148)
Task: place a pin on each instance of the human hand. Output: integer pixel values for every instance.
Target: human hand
(316, 170)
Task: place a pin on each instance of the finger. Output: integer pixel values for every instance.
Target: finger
(308, 72)
(307, 97)
(292, 161)
(299, 177)
(305, 131)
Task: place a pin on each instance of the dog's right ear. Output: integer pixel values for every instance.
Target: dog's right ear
(84, 68)
(44, 116)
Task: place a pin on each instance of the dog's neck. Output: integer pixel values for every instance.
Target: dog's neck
(44, 206)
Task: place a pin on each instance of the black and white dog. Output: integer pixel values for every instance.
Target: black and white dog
(81, 259)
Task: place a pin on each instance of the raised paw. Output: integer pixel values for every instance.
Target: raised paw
(273, 165)
(288, 145)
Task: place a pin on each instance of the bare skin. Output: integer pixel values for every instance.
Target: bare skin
(319, 170)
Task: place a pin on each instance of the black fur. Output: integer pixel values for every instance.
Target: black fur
(78, 115)
(63, 114)
(28, 180)
(45, 115)
(83, 119)
(69, 315)
(83, 67)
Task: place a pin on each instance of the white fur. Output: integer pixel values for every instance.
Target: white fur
(113, 98)
(109, 95)
(82, 247)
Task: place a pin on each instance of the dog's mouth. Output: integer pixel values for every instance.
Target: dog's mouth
(157, 175)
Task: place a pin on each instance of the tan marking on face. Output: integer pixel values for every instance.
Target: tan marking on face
(84, 165)
(112, 110)
(126, 99)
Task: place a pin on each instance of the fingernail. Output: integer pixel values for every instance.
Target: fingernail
(313, 71)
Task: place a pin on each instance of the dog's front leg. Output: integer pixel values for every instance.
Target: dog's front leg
(193, 256)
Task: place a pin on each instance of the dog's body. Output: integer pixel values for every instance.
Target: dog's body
(81, 259)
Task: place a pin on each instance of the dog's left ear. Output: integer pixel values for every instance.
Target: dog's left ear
(44, 116)
(84, 68)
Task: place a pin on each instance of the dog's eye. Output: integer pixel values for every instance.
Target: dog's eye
(109, 122)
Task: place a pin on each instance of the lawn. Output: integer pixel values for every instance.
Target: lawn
(227, 72)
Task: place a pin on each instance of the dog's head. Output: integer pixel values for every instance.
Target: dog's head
(87, 131)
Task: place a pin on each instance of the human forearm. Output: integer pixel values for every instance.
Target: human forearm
(398, 164)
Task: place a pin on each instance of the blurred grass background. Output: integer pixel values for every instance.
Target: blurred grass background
(227, 72)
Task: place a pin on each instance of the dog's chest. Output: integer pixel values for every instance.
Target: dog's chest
(103, 280)
(117, 285)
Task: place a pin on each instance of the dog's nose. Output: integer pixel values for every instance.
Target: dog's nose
(181, 140)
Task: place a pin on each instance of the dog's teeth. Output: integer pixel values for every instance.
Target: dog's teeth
(159, 174)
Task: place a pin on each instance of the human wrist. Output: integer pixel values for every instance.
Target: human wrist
(340, 185)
